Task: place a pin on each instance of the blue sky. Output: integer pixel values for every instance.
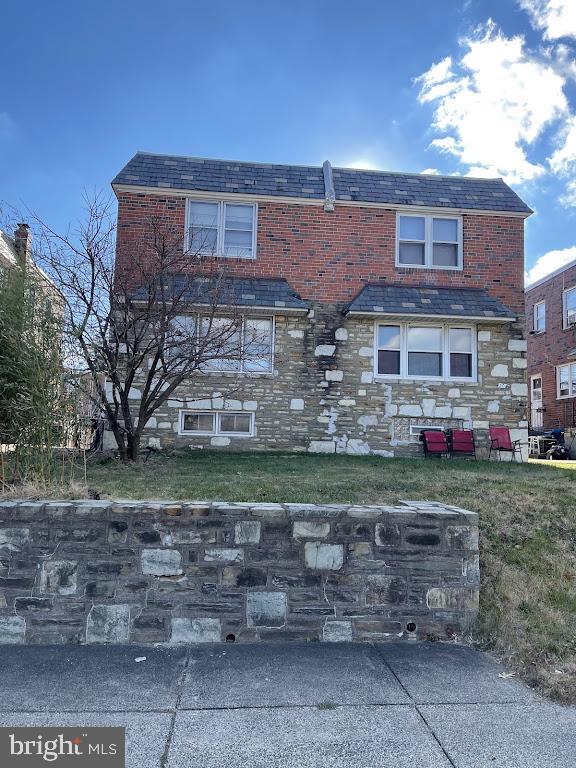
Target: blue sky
(485, 87)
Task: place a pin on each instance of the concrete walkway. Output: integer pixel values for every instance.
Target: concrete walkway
(309, 706)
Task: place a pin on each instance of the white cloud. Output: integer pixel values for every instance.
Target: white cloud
(556, 18)
(549, 262)
(430, 172)
(563, 160)
(361, 165)
(493, 103)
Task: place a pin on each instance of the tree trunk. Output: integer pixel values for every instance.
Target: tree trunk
(133, 447)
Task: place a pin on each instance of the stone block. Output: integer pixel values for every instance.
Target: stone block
(386, 590)
(484, 335)
(452, 598)
(519, 390)
(243, 577)
(387, 535)
(341, 334)
(296, 404)
(324, 557)
(333, 375)
(117, 532)
(322, 446)
(357, 447)
(325, 350)
(519, 362)
(161, 562)
(410, 410)
(12, 630)
(219, 441)
(337, 632)
(366, 351)
(224, 555)
(247, 532)
(499, 371)
(59, 577)
(206, 630)
(13, 539)
(310, 530)
(108, 624)
(366, 377)
(250, 405)
(517, 345)
(266, 609)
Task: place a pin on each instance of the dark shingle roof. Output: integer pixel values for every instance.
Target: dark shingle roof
(423, 300)
(236, 292)
(205, 175)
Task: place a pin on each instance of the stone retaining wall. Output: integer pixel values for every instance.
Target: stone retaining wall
(163, 572)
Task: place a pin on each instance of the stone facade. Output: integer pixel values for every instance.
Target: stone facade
(162, 572)
(323, 395)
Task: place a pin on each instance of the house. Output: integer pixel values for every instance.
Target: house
(551, 328)
(390, 302)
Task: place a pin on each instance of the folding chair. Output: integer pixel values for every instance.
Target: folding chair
(501, 442)
(461, 442)
(435, 443)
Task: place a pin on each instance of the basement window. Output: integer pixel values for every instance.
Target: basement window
(227, 423)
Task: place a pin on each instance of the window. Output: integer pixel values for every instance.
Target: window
(222, 229)
(416, 351)
(226, 423)
(569, 307)
(540, 317)
(389, 350)
(424, 351)
(244, 345)
(566, 378)
(461, 354)
(429, 241)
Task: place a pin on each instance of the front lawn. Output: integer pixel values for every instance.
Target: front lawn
(527, 521)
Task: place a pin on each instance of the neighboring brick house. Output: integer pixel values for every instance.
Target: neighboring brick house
(551, 327)
(392, 302)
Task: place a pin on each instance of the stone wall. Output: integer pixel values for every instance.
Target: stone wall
(323, 396)
(161, 572)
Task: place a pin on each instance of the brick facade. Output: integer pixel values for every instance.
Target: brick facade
(329, 400)
(551, 348)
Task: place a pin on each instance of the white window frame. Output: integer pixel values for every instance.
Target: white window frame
(221, 203)
(571, 381)
(403, 376)
(565, 323)
(429, 242)
(535, 317)
(216, 415)
(240, 371)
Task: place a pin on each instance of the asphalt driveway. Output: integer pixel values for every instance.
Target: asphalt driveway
(309, 706)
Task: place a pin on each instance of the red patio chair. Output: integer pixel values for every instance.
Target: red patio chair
(435, 443)
(461, 442)
(501, 442)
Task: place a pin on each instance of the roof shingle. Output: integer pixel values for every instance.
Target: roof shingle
(267, 179)
(379, 298)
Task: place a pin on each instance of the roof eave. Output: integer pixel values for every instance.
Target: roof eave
(475, 318)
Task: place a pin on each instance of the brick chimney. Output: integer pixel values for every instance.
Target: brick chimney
(23, 242)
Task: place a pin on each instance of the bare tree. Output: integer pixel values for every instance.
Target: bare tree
(143, 327)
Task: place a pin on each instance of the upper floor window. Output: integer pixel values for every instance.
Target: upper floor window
(540, 317)
(413, 351)
(569, 308)
(566, 380)
(433, 242)
(222, 229)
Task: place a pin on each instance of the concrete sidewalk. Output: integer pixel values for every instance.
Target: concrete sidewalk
(309, 706)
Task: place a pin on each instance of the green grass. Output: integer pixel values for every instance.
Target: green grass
(527, 520)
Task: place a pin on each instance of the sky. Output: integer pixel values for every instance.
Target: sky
(467, 87)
